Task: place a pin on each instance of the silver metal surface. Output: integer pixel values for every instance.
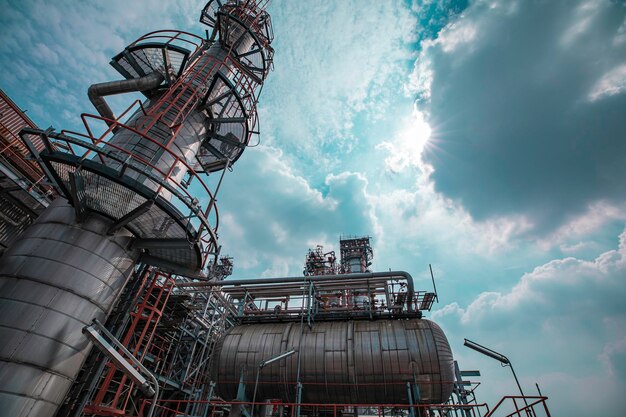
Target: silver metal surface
(193, 129)
(97, 92)
(341, 362)
(54, 280)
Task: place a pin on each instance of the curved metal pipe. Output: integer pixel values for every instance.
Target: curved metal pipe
(97, 92)
(278, 280)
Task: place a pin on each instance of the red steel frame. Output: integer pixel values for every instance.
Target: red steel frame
(137, 339)
(533, 406)
(537, 407)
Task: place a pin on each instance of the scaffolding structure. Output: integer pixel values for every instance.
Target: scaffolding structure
(172, 330)
(318, 262)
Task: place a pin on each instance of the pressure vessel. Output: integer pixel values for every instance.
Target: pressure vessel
(342, 362)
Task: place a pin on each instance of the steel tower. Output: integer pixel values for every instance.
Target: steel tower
(356, 253)
(134, 193)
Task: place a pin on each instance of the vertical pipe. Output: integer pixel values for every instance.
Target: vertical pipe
(518, 384)
(256, 385)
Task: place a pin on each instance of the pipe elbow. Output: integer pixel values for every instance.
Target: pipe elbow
(92, 91)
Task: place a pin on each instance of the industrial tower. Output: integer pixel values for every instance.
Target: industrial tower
(134, 194)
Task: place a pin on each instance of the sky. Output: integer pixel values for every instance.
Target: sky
(485, 137)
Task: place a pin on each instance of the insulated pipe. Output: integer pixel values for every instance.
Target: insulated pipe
(288, 288)
(97, 92)
(277, 280)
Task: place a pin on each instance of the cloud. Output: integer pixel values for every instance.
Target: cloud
(613, 357)
(50, 46)
(418, 213)
(571, 314)
(272, 215)
(331, 64)
(595, 218)
(527, 121)
(406, 150)
(563, 285)
(610, 84)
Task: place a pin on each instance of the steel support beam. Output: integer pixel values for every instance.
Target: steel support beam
(132, 215)
(77, 191)
(157, 243)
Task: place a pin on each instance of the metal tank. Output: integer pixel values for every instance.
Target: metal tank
(53, 281)
(349, 362)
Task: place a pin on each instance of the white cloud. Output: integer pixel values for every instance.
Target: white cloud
(574, 248)
(46, 53)
(459, 34)
(570, 313)
(608, 356)
(597, 216)
(610, 84)
(354, 185)
(620, 35)
(421, 79)
(580, 22)
(279, 268)
(330, 65)
(273, 215)
(407, 147)
(419, 213)
(280, 234)
(541, 285)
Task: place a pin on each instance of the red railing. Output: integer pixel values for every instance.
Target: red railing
(520, 406)
(181, 408)
(115, 390)
(536, 407)
(206, 232)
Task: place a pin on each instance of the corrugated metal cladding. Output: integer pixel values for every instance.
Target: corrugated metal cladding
(20, 203)
(341, 362)
(12, 121)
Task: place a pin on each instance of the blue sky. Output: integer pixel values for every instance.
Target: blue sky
(484, 137)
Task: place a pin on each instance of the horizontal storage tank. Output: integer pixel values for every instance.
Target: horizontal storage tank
(355, 362)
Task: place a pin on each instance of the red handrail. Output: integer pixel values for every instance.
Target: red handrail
(529, 408)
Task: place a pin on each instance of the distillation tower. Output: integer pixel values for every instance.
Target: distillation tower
(132, 192)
